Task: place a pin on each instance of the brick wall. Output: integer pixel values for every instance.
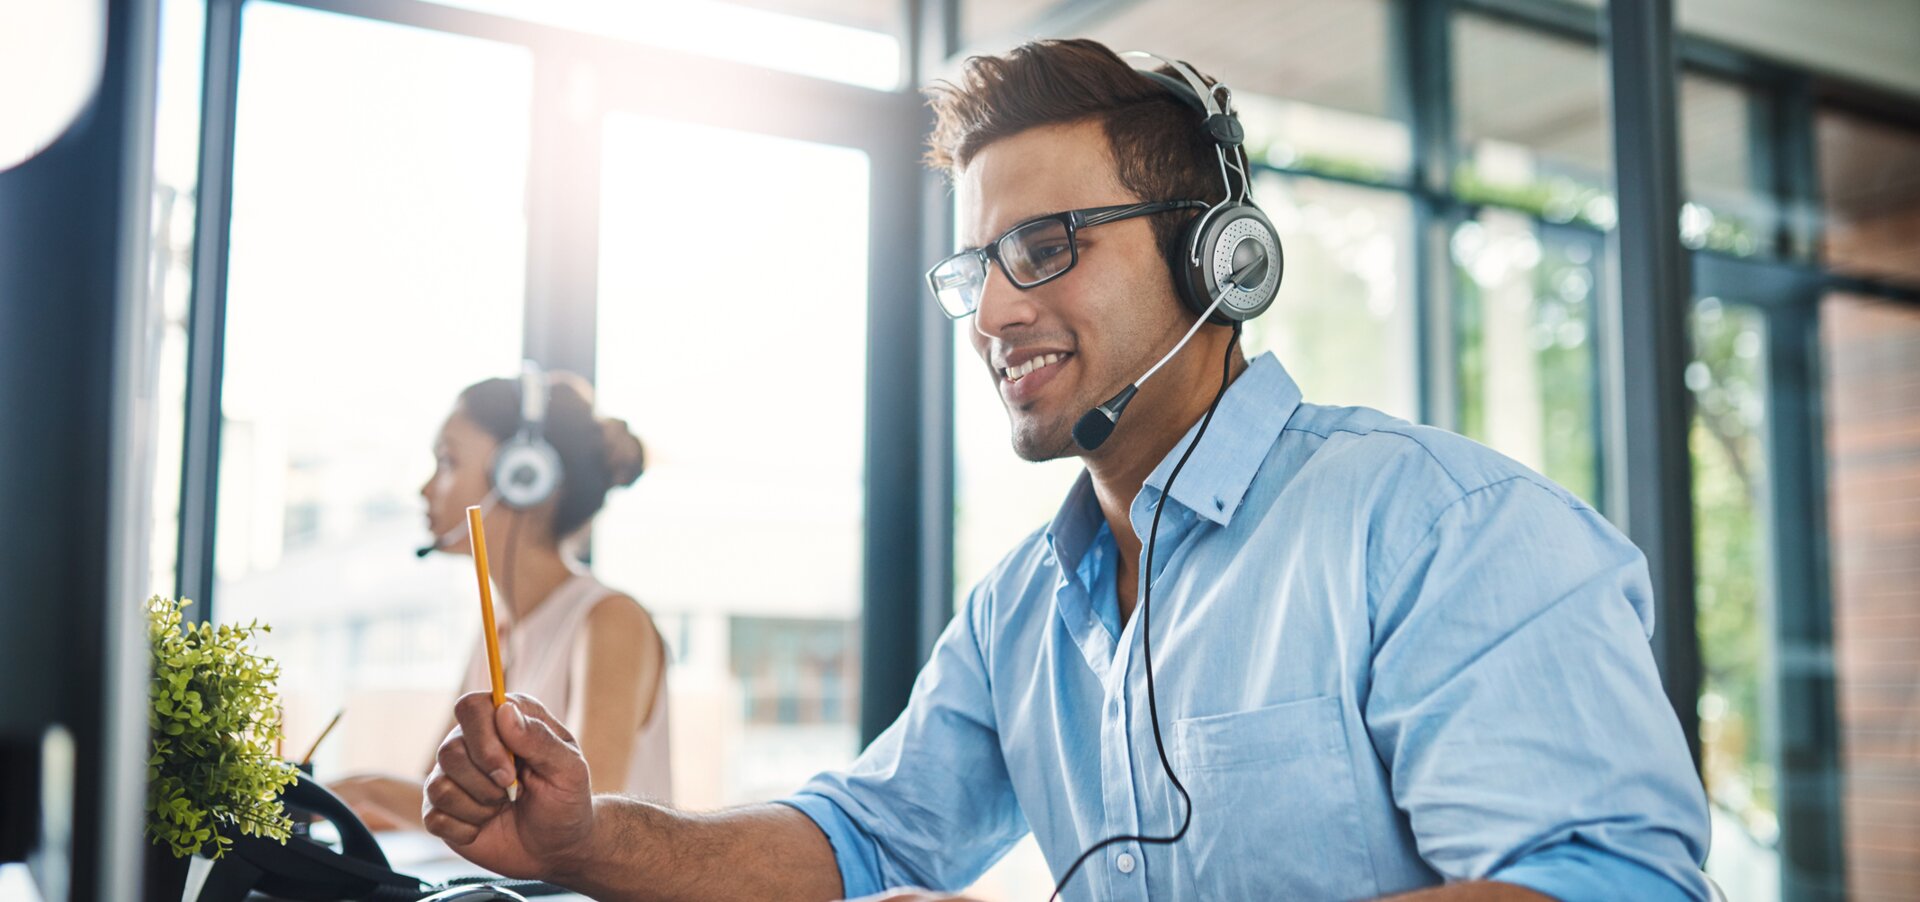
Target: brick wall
(1872, 397)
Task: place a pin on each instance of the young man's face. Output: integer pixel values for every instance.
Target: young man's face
(1107, 319)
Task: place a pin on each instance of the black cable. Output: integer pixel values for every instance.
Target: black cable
(1146, 638)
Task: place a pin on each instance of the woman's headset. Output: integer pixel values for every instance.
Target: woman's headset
(1230, 252)
(526, 468)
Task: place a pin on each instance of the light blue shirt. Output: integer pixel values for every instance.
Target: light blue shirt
(1385, 657)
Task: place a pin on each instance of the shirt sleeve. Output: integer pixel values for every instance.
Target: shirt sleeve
(929, 803)
(1515, 702)
(1577, 872)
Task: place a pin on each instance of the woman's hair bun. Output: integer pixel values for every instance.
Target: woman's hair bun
(626, 457)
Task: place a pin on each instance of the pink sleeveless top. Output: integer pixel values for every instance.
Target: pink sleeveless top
(545, 657)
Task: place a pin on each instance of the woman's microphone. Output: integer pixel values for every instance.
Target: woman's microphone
(446, 538)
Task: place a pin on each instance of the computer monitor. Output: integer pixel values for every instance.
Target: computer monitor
(73, 409)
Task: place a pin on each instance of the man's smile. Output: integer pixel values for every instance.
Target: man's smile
(1024, 374)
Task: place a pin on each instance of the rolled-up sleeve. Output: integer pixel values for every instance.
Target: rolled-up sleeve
(1574, 871)
(928, 804)
(1515, 703)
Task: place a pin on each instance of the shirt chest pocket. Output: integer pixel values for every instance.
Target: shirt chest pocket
(1274, 804)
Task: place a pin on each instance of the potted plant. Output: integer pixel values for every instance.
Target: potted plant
(212, 770)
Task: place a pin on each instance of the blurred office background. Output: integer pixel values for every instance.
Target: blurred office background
(714, 211)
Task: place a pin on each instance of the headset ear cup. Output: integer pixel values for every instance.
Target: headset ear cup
(1189, 280)
(1239, 239)
(526, 471)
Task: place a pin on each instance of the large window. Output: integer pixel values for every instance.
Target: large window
(176, 179)
(1525, 307)
(737, 350)
(377, 249)
(1732, 208)
(1535, 145)
(855, 41)
(1533, 129)
(1324, 105)
(1344, 322)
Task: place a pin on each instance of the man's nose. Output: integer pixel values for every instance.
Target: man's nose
(1002, 305)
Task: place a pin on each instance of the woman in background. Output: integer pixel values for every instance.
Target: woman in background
(583, 649)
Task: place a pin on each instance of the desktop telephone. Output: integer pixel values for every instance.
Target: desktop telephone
(307, 869)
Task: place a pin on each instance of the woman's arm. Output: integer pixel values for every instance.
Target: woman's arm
(382, 801)
(385, 801)
(624, 662)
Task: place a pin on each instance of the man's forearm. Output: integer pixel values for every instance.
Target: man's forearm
(641, 851)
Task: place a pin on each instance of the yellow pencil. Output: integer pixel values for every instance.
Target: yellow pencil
(477, 533)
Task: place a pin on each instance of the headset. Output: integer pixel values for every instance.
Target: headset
(526, 469)
(1233, 261)
(1226, 270)
(1228, 261)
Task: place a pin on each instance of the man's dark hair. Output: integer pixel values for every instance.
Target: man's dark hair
(1159, 147)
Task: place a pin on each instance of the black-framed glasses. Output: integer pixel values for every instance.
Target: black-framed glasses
(1032, 253)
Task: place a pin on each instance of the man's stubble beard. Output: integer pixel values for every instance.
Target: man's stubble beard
(1038, 442)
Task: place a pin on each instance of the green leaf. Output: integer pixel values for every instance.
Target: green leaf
(214, 712)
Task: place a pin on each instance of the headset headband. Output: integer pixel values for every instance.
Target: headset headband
(1223, 121)
(533, 397)
(1202, 98)
(1222, 124)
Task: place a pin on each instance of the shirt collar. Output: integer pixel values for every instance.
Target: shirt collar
(1254, 410)
(1251, 415)
(1074, 525)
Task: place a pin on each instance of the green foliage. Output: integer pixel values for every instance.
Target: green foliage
(1558, 291)
(214, 720)
(1558, 199)
(1726, 380)
(1330, 165)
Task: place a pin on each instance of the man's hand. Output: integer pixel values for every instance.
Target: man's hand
(543, 833)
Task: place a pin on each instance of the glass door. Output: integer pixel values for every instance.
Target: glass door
(1768, 707)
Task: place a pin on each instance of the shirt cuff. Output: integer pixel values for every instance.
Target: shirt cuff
(1575, 871)
(853, 850)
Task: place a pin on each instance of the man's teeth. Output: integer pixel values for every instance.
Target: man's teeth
(1016, 373)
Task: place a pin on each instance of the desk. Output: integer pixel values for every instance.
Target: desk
(423, 855)
(411, 852)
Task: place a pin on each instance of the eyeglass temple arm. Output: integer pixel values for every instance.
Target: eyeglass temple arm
(1140, 209)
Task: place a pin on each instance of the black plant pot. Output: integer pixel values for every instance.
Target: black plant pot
(166, 875)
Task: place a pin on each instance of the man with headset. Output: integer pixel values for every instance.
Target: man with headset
(1383, 659)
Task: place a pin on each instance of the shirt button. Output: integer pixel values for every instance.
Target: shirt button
(1124, 862)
